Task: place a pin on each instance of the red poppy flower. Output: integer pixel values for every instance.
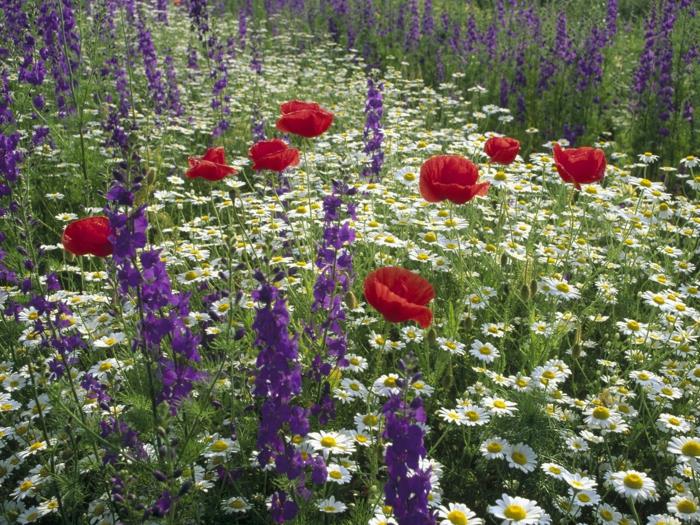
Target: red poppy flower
(580, 165)
(212, 166)
(273, 155)
(306, 119)
(88, 236)
(450, 177)
(400, 295)
(502, 150)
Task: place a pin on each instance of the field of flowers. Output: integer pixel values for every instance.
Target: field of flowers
(246, 278)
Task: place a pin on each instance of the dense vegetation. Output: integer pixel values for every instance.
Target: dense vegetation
(278, 262)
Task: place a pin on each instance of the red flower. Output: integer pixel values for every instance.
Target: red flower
(502, 150)
(450, 177)
(306, 119)
(88, 236)
(580, 165)
(212, 166)
(400, 295)
(273, 155)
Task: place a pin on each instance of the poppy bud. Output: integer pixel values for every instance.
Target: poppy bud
(576, 350)
(533, 288)
(351, 300)
(525, 292)
(467, 323)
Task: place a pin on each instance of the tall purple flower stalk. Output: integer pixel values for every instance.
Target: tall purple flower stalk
(334, 281)
(373, 135)
(173, 96)
(408, 485)
(611, 20)
(413, 36)
(150, 64)
(55, 24)
(162, 11)
(277, 383)
(199, 16)
(428, 22)
(162, 312)
(590, 61)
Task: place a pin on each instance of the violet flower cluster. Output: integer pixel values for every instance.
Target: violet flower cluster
(162, 313)
(408, 485)
(278, 381)
(373, 135)
(150, 64)
(57, 28)
(333, 283)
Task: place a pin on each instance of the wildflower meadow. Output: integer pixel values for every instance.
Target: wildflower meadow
(382, 262)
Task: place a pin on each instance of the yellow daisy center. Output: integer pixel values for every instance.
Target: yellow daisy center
(328, 441)
(633, 481)
(457, 517)
(686, 506)
(219, 446)
(515, 512)
(691, 448)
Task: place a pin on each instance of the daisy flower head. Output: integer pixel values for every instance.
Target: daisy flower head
(451, 346)
(601, 417)
(485, 352)
(235, 505)
(452, 415)
(356, 363)
(331, 506)
(578, 482)
(499, 406)
(691, 161)
(554, 470)
(494, 448)
(328, 443)
(474, 416)
(521, 457)
(516, 510)
(560, 288)
(671, 423)
(663, 519)
(386, 385)
(686, 447)
(457, 514)
(584, 498)
(685, 507)
(608, 514)
(633, 484)
(338, 474)
(648, 157)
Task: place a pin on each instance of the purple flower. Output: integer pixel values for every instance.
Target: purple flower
(408, 485)
(373, 134)
(277, 382)
(150, 64)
